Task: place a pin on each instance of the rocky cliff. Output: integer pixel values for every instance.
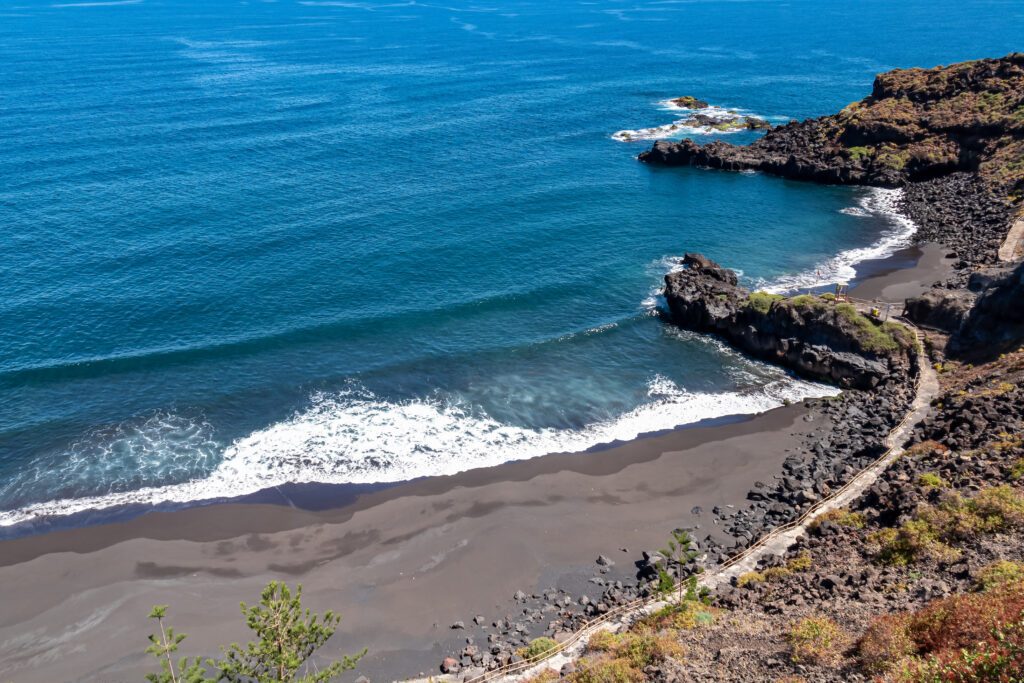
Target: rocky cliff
(962, 124)
(916, 124)
(815, 337)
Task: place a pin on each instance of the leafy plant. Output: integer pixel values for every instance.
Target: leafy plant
(680, 550)
(286, 638)
(163, 645)
(815, 640)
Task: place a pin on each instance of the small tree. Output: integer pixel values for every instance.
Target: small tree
(287, 637)
(681, 552)
(161, 647)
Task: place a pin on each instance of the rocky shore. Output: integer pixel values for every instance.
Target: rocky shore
(953, 136)
(921, 578)
(817, 337)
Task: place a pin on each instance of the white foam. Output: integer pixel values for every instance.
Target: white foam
(680, 127)
(354, 437)
(840, 268)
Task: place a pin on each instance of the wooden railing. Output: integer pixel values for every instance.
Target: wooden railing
(590, 627)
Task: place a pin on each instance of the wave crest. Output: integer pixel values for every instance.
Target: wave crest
(354, 437)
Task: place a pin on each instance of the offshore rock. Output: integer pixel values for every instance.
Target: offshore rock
(816, 338)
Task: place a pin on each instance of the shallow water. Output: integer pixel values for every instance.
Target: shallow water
(250, 243)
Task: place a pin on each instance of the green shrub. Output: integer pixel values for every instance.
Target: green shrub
(287, 637)
(815, 640)
(931, 480)
(841, 517)
(954, 519)
(537, 647)
(762, 301)
(1000, 573)
(800, 563)
(748, 578)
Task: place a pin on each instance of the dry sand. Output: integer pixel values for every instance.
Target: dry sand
(401, 564)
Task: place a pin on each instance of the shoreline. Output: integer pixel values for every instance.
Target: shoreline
(385, 553)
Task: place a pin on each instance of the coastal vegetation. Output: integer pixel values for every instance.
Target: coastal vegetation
(287, 636)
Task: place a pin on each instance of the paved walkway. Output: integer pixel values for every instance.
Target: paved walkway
(1013, 245)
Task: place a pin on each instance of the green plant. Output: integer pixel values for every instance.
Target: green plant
(953, 519)
(680, 550)
(1000, 573)
(860, 153)
(800, 563)
(1017, 470)
(841, 517)
(163, 645)
(932, 481)
(538, 647)
(287, 636)
(815, 640)
(747, 578)
(762, 301)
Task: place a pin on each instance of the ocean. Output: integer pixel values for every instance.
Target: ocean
(251, 243)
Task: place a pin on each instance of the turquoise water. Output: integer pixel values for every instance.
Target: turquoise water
(248, 243)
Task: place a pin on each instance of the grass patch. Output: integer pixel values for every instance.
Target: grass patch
(748, 578)
(537, 647)
(859, 153)
(815, 640)
(1017, 470)
(841, 517)
(762, 301)
(931, 480)
(1000, 573)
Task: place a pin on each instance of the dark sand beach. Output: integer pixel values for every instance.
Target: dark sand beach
(401, 563)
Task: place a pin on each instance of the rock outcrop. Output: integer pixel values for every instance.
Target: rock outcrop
(997, 318)
(916, 124)
(817, 338)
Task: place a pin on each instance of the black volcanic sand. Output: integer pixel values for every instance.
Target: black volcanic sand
(401, 563)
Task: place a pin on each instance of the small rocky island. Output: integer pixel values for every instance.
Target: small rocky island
(817, 337)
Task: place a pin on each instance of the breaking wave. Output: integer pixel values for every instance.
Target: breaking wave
(683, 126)
(880, 202)
(355, 437)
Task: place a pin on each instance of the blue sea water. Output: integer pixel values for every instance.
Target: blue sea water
(248, 243)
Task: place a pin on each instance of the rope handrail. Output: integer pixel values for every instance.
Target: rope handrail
(590, 626)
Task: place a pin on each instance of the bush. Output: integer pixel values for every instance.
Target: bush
(748, 578)
(841, 517)
(885, 644)
(999, 574)
(625, 655)
(968, 637)
(954, 519)
(762, 301)
(816, 640)
(287, 637)
(537, 647)
(931, 480)
(606, 670)
(681, 616)
(800, 563)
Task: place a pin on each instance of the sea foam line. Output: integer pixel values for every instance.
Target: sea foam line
(840, 268)
(354, 437)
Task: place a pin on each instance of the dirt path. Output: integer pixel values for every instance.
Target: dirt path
(1013, 245)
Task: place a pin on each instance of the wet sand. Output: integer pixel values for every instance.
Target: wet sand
(400, 563)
